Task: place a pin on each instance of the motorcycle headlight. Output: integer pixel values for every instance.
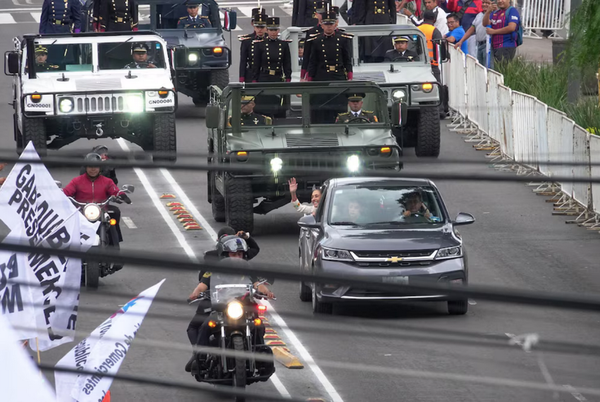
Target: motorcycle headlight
(353, 163)
(276, 164)
(399, 95)
(235, 310)
(92, 212)
(336, 255)
(134, 103)
(449, 252)
(66, 105)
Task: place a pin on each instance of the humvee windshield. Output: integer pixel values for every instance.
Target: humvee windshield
(328, 106)
(61, 58)
(130, 55)
(380, 49)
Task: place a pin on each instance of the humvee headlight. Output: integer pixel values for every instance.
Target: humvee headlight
(134, 104)
(276, 164)
(353, 163)
(399, 94)
(218, 50)
(66, 105)
(192, 58)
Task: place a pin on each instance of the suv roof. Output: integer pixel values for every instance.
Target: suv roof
(348, 181)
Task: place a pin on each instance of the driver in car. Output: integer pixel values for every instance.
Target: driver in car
(356, 113)
(41, 60)
(416, 211)
(139, 52)
(400, 52)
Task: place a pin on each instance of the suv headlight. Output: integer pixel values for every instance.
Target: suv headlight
(92, 212)
(235, 310)
(399, 95)
(134, 103)
(335, 255)
(449, 252)
(66, 105)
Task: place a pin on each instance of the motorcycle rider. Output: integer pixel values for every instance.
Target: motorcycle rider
(109, 172)
(204, 305)
(234, 247)
(93, 187)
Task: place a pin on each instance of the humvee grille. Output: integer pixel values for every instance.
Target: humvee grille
(300, 141)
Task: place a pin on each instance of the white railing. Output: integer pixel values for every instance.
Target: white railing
(528, 132)
(547, 15)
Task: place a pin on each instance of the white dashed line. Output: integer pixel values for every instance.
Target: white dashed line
(129, 222)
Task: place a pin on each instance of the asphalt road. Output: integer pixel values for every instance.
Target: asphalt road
(515, 243)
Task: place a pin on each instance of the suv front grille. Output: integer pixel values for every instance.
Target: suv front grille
(390, 254)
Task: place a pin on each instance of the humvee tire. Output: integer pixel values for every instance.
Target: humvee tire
(239, 211)
(428, 133)
(217, 201)
(34, 130)
(164, 137)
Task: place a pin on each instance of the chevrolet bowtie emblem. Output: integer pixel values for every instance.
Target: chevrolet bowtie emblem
(394, 259)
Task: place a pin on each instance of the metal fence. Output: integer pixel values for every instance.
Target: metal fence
(544, 15)
(536, 137)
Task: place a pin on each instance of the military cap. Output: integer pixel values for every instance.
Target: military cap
(355, 97)
(400, 39)
(273, 23)
(301, 43)
(139, 48)
(41, 49)
(193, 4)
(247, 99)
(260, 20)
(258, 10)
(329, 18)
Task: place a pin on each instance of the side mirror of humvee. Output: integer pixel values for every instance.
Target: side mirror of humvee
(11, 63)
(230, 21)
(212, 116)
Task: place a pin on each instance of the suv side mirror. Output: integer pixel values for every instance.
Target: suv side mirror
(399, 114)
(308, 221)
(11, 63)
(230, 19)
(212, 116)
(463, 219)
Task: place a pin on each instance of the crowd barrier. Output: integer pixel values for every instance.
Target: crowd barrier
(547, 15)
(527, 132)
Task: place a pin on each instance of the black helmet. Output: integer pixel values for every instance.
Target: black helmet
(100, 149)
(92, 160)
(231, 244)
(227, 230)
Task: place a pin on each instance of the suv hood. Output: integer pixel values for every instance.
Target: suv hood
(390, 239)
(48, 83)
(312, 138)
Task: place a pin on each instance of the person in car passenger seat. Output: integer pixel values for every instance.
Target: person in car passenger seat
(302, 208)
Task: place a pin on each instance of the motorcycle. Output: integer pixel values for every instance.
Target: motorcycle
(91, 270)
(236, 326)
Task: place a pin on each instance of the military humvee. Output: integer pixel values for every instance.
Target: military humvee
(252, 157)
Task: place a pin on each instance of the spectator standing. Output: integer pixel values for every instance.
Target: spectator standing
(432, 34)
(504, 21)
(481, 36)
(440, 16)
(456, 32)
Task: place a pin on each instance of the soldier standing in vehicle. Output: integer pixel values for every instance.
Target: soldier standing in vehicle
(115, 15)
(311, 33)
(200, 15)
(304, 12)
(371, 12)
(356, 113)
(272, 58)
(61, 16)
(248, 46)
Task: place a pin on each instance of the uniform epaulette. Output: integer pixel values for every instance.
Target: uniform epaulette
(184, 18)
(244, 38)
(342, 114)
(207, 275)
(315, 34)
(268, 120)
(286, 40)
(313, 38)
(307, 29)
(52, 66)
(257, 40)
(348, 36)
(367, 111)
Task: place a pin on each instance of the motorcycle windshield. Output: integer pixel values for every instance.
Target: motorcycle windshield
(226, 287)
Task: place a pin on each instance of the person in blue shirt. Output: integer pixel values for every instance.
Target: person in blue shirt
(456, 32)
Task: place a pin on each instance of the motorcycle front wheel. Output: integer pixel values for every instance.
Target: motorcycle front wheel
(92, 274)
(239, 377)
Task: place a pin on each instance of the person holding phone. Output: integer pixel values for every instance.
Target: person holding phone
(416, 209)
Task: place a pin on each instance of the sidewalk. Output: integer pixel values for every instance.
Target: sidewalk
(536, 50)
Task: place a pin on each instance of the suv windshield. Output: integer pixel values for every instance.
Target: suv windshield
(130, 55)
(333, 105)
(61, 58)
(391, 48)
(373, 205)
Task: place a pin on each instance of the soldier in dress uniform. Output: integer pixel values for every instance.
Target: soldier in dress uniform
(304, 12)
(247, 48)
(248, 117)
(312, 32)
(115, 15)
(300, 51)
(400, 51)
(330, 60)
(370, 12)
(139, 52)
(200, 15)
(41, 60)
(61, 16)
(272, 57)
(356, 113)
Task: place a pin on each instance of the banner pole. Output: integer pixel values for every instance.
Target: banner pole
(37, 347)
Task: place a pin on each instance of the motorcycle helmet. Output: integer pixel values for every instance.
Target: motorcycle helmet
(100, 149)
(92, 160)
(231, 244)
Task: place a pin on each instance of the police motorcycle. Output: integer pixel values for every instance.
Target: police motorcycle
(236, 327)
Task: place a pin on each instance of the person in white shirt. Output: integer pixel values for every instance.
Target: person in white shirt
(481, 35)
(440, 20)
(305, 209)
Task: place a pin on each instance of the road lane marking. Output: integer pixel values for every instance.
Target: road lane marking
(6, 18)
(37, 16)
(129, 222)
(159, 206)
(291, 335)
